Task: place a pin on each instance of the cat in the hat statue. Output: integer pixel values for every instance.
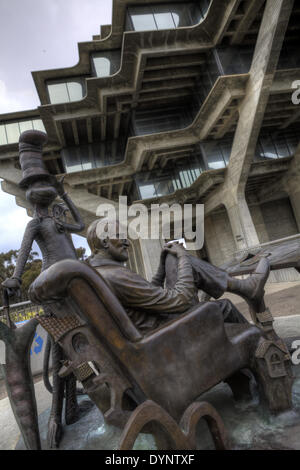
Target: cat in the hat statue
(52, 235)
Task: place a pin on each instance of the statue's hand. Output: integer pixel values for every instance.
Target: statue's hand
(12, 284)
(59, 186)
(176, 249)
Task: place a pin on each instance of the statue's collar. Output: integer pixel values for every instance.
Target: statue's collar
(97, 262)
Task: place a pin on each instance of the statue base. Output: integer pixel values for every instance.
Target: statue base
(248, 425)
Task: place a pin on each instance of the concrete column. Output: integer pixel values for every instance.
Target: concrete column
(251, 112)
(243, 229)
(291, 184)
(259, 223)
(295, 202)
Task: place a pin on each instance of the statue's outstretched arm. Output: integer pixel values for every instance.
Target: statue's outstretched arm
(79, 225)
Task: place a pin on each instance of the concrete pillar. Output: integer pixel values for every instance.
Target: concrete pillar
(219, 242)
(295, 203)
(291, 185)
(258, 220)
(243, 229)
(251, 112)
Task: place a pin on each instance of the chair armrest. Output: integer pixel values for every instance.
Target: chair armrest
(55, 283)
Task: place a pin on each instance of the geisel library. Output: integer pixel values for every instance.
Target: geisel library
(187, 102)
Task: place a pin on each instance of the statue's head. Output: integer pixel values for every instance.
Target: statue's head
(113, 247)
(41, 192)
(36, 179)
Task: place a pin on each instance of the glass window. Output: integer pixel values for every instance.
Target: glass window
(75, 90)
(181, 15)
(96, 155)
(213, 155)
(166, 15)
(277, 145)
(268, 147)
(226, 146)
(282, 148)
(38, 125)
(12, 132)
(3, 139)
(58, 93)
(176, 175)
(292, 139)
(235, 60)
(163, 17)
(106, 63)
(162, 119)
(142, 18)
(102, 66)
(64, 92)
(204, 6)
(25, 126)
(147, 191)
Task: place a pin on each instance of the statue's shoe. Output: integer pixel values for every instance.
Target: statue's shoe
(253, 287)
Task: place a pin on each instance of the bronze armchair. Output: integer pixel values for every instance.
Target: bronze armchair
(155, 378)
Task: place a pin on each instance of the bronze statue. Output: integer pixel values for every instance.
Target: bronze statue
(143, 351)
(156, 349)
(151, 304)
(52, 234)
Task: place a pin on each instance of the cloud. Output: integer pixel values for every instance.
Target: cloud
(13, 221)
(16, 100)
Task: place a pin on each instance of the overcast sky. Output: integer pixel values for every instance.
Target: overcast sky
(38, 35)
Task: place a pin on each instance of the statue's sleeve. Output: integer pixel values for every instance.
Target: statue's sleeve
(159, 278)
(135, 292)
(28, 238)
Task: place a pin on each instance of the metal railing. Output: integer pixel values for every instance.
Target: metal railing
(21, 311)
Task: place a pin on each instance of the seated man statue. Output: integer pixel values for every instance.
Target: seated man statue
(150, 304)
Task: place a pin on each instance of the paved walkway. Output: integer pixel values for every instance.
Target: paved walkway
(10, 433)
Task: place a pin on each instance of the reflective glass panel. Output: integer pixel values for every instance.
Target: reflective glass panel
(25, 126)
(204, 6)
(75, 90)
(162, 120)
(181, 15)
(268, 147)
(3, 139)
(106, 63)
(102, 66)
(147, 191)
(163, 17)
(166, 15)
(142, 18)
(292, 139)
(58, 93)
(281, 146)
(13, 132)
(38, 125)
(213, 155)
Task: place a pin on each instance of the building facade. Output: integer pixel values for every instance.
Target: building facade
(181, 101)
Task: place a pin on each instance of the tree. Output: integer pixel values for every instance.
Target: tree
(80, 252)
(32, 269)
